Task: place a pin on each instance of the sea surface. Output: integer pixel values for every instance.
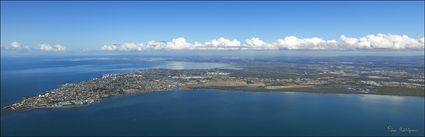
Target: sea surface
(192, 112)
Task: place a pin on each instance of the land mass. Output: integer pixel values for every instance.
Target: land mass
(152, 80)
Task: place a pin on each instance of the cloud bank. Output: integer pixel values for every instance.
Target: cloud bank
(179, 43)
(383, 41)
(42, 47)
(15, 46)
(368, 42)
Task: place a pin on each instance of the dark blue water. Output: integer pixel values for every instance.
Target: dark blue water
(193, 112)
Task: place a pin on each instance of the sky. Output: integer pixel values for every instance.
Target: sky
(60, 26)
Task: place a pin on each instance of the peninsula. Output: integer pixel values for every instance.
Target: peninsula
(153, 80)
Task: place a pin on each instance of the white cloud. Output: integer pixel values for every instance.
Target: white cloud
(155, 45)
(54, 48)
(292, 42)
(15, 45)
(218, 44)
(110, 47)
(223, 42)
(382, 41)
(130, 47)
(178, 43)
(255, 42)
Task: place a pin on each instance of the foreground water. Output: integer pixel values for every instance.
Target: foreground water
(218, 112)
(194, 112)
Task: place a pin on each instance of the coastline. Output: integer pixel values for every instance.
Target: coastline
(91, 91)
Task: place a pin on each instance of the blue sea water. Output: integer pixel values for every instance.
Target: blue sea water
(192, 112)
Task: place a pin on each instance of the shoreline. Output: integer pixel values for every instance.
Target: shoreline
(254, 89)
(241, 89)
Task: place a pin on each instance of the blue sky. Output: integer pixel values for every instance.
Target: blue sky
(90, 25)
